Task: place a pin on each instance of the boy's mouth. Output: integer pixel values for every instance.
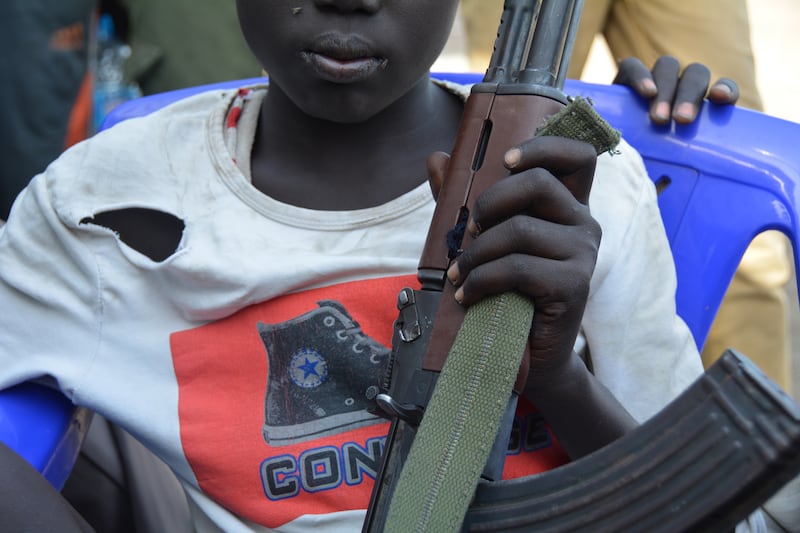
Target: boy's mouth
(342, 59)
(342, 70)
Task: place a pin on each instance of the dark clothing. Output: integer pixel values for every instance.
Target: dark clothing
(182, 43)
(44, 91)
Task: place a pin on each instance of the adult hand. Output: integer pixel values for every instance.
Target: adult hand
(675, 94)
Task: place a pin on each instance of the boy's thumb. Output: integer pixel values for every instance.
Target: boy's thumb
(437, 169)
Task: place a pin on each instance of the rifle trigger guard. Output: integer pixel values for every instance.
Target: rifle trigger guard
(411, 414)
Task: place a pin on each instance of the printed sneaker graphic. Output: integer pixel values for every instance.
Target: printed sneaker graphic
(320, 367)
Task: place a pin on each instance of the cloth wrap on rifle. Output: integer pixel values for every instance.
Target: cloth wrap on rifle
(453, 441)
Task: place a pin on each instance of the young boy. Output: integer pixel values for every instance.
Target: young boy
(220, 277)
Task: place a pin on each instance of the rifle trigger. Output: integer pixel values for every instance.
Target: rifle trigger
(411, 414)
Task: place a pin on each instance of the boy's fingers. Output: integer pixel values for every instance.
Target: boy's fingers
(691, 91)
(437, 164)
(633, 73)
(572, 161)
(724, 91)
(666, 73)
(535, 193)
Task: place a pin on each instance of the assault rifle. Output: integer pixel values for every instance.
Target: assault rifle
(705, 462)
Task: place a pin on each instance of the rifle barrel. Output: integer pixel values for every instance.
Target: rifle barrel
(551, 44)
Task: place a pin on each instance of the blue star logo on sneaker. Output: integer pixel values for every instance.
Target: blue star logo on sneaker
(308, 369)
(320, 366)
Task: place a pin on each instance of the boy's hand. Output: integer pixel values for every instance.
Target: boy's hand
(674, 94)
(533, 233)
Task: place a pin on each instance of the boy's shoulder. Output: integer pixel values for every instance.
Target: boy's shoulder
(142, 159)
(621, 179)
(623, 200)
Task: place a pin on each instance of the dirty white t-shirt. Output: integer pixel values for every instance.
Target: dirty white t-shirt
(241, 358)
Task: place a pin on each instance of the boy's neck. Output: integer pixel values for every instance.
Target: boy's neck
(319, 164)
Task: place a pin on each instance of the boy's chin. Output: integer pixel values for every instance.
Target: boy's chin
(342, 114)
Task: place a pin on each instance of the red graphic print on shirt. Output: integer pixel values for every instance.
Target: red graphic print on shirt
(274, 420)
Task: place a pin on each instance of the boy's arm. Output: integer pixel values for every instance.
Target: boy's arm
(581, 411)
(571, 394)
(49, 284)
(537, 237)
(636, 339)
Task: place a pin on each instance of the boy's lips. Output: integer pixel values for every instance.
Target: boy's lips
(342, 59)
(342, 70)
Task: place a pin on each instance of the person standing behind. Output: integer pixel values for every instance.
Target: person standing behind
(45, 91)
(753, 315)
(183, 43)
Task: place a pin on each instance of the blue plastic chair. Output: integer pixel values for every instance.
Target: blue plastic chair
(726, 178)
(731, 175)
(42, 425)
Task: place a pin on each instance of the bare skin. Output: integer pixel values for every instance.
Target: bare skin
(295, 153)
(351, 113)
(675, 94)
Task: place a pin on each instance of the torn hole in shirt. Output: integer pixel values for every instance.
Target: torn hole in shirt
(152, 233)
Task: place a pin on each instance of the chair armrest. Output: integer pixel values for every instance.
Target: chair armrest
(44, 427)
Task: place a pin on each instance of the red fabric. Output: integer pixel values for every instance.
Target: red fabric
(222, 371)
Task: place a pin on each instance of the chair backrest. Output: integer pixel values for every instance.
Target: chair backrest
(729, 176)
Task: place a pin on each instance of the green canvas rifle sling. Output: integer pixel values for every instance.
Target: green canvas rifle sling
(450, 450)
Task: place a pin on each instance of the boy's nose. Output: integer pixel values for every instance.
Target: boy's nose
(368, 6)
